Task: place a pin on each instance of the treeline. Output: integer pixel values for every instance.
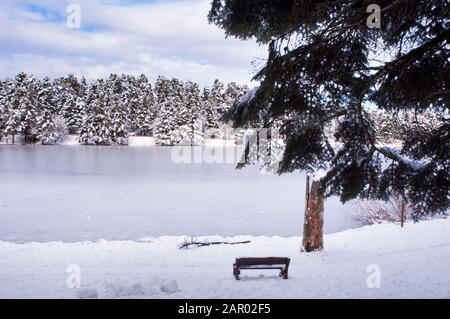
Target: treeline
(107, 111)
(393, 127)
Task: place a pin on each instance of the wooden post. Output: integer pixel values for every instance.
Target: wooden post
(313, 223)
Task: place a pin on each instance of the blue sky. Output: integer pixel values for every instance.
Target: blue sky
(170, 38)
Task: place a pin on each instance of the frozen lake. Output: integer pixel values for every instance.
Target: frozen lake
(76, 193)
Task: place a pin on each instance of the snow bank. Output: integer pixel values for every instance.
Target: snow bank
(70, 140)
(141, 141)
(413, 262)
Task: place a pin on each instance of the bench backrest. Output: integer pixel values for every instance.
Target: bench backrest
(262, 261)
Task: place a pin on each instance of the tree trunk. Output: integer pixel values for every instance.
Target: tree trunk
(313, 224)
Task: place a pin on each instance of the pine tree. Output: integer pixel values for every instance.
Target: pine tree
(169, 98)
(16, 96)
(232, 94)
(46, 127)
(117, 100)
(24, 102)
(218, 97)
(214, 109)
(72, 102)
(133, 94)
(59, 93)
(119, 121)
(165, 125)
(96, 127)
(84, 88)
(3, 106)
(146, 109)
(85, 130)
(12, 125)
(204, 106)
(323, 64)
(190, 128)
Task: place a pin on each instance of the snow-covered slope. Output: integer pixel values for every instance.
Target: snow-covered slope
(413, 262)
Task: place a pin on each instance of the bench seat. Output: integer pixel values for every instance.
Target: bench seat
(281, 263)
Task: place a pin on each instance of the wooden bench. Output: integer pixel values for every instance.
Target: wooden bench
(281, 263)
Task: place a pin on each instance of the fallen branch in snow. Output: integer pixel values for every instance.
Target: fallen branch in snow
(192, 242)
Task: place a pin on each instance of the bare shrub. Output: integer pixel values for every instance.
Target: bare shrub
(371, 212)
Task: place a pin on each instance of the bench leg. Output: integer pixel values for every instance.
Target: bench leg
(284, 273)
(236, 272)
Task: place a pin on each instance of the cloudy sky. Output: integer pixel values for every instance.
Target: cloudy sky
(154, 37)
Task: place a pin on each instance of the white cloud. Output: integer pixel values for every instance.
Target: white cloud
(159, 38)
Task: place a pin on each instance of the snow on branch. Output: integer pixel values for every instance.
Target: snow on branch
(395, 155)
(247, 97)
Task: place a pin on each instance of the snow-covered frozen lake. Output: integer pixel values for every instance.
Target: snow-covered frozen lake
(77, 193)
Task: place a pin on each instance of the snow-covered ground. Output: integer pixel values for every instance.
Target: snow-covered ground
(413, 262)
(77, 193)
(103, 210)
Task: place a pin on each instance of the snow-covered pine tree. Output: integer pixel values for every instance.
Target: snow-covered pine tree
(165, 125)
(12, 125)
(81, 102)
(233, 92)
(218, 97)
(204, 106)
(59, 93)
(16, 95)
(130, 86)
(168, 94)
(396, 126)
(214, 109)
(119, 121)
(117, 99)
(25, 99)
(47, 132)
(190, 129)
(162, 90)
(96, 127)
(72, 103)
(181, 107)
(85, 130)
(146, 109)
(3, 106)
(10, 115)
(84, 88)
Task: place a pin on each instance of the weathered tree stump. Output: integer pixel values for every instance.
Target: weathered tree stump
(313, 224)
